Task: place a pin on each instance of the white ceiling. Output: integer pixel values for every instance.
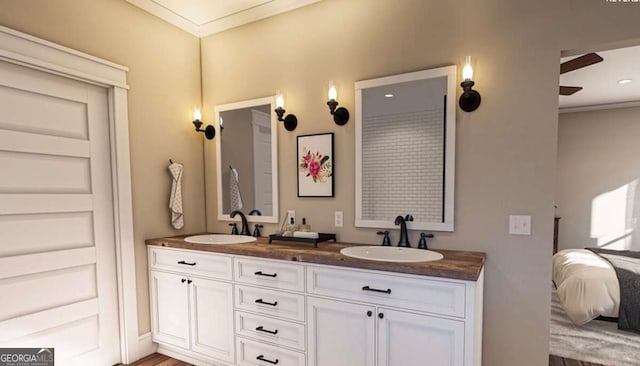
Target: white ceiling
(600, 81)
(205, 17)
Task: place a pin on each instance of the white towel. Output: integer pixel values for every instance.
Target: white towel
(234, 191)
(175, 201)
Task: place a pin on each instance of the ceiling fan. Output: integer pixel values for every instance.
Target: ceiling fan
(577, 63)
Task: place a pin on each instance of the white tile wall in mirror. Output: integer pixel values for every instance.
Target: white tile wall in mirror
(405, 134)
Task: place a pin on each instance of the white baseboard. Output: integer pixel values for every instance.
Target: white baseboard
(178, 354)
(146, 346)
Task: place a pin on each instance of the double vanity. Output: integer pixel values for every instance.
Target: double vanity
(217, 301)
(254, 303)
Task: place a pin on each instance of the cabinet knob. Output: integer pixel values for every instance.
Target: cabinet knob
(183, 280)
(369, 313)
(380, 315)
(189, 281)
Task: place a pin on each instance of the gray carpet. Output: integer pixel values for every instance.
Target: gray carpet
(597, 341)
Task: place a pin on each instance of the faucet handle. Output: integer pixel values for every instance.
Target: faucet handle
(256, 231)
(234, 228)
(422, 244)
(385, 241)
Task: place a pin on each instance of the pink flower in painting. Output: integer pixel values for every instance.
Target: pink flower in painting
(315, 165)
(314, 168)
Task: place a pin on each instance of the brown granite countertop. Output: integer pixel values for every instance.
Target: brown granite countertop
(460, 265)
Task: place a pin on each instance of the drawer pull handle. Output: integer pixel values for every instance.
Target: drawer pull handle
(261, 329)
(261, 358)
(260, 301)
(260, 273)
(367, 288)
(187, 263)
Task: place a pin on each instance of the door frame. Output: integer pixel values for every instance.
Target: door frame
(35, 53)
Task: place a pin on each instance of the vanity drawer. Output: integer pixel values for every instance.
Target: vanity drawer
(191, 262)
(410, 292)
(262, 328)
(270, 302)
(275, 274)
(252, 353)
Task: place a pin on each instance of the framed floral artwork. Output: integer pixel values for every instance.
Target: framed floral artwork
(315, 165)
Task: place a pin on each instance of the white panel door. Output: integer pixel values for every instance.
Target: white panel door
(262, 175)
(212, 319)
(340, 333)
(407, 339)
(57, 247)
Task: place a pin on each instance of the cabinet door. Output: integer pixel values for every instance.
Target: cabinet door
(340, 333)
(407, 339)
(212, 319)
(169, 295)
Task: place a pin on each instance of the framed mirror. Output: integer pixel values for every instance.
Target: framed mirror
(247, 160)
(405, 149)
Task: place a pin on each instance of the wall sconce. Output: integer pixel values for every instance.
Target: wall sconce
(340, 115)
(470, 99)
(209, 131)
(290, 121)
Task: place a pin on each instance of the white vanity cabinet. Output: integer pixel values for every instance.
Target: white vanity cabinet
(363, 318)
(224, 310)
(191, 308)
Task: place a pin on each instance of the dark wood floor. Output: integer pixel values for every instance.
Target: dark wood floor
(157, 359)
(559, 361)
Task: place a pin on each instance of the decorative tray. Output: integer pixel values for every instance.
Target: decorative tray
(321, 237)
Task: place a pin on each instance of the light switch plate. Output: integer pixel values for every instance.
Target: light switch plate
(520, 224)
(338, 218)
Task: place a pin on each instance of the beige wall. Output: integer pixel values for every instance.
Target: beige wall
(164, 76)
(598, 173)
(506, 150)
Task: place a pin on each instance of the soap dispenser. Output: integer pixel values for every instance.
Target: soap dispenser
(292, 225)
(234, 229)
(305, 226)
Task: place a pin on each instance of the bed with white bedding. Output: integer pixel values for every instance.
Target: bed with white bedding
(586, 284)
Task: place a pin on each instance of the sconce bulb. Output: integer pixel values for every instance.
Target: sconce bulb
(279, 100)
(467, 71)
(197, 115)
(333, 94)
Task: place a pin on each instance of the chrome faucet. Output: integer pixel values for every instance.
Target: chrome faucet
(245, 224)
(404, 238)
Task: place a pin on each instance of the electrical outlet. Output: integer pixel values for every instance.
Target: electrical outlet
(291, 214)
(337, 218)
(519, 224)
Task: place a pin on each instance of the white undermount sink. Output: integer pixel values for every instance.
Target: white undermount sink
(391, 254)
(219, 239)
